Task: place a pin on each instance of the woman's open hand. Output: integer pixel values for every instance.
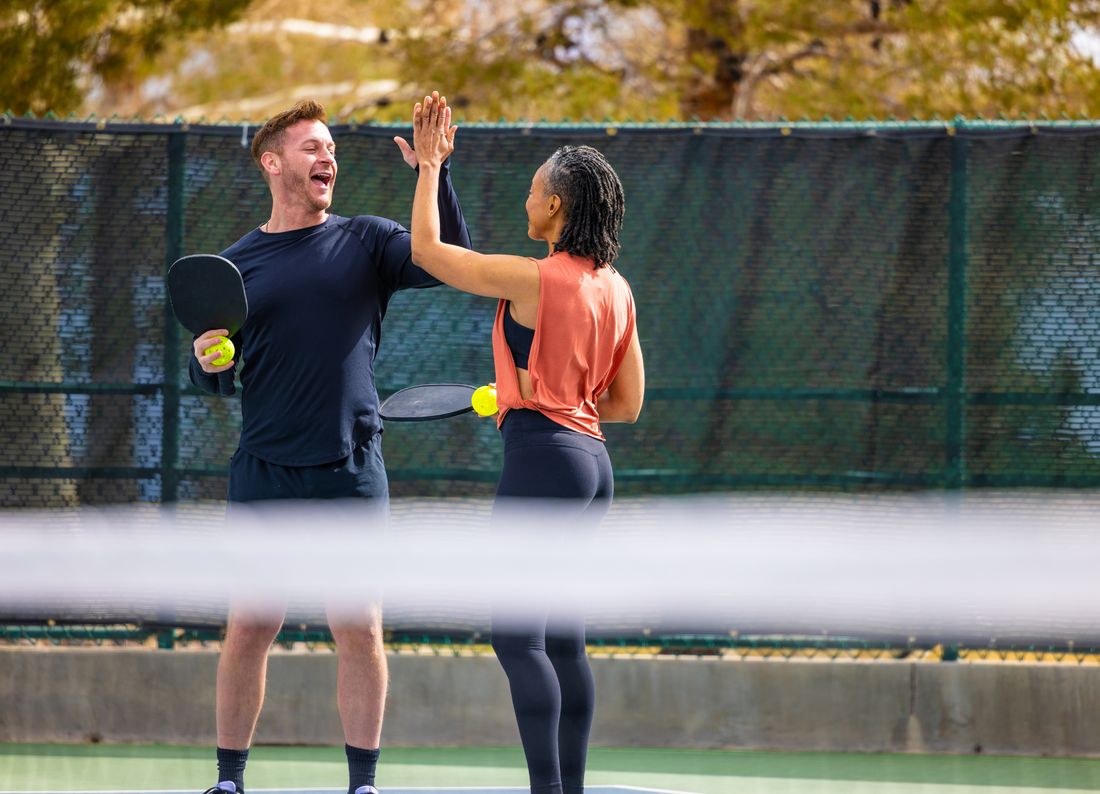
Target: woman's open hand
(433, 135)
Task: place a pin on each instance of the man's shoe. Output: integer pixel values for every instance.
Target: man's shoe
(366, 790)
(226, 787)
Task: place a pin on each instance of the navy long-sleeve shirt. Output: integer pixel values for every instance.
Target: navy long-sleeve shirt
(316, 301)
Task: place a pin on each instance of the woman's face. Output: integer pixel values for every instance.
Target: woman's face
(541, 208)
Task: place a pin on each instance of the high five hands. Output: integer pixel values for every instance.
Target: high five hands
(421, 111)
(433, 135)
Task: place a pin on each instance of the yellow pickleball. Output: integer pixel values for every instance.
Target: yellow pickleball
(226, 348)
(484, 400)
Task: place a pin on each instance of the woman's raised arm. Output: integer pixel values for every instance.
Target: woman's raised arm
(514, 278)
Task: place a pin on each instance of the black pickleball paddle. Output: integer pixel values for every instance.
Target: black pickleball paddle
(207, 292)
(428, 401)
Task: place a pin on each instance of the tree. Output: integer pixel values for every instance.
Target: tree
(55, 51)
(711, 59)
(726, 59)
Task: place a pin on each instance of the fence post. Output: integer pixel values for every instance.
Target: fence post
(173, 238)
(955, 445)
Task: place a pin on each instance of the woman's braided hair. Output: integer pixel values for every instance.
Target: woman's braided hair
(592, 200)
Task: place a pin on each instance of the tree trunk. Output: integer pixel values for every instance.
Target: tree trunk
(713, 37)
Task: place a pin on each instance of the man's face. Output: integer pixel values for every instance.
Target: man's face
(308, 165)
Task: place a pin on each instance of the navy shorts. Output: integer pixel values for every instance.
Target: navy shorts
(362, 474)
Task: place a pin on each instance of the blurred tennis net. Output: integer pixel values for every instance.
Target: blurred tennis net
(982, 575)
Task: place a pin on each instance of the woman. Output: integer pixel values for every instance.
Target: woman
(567, 360)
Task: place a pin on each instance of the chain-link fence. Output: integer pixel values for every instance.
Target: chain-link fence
(849, 305)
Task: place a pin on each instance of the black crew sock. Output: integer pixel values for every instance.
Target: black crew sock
(231, 766)
(361, 764)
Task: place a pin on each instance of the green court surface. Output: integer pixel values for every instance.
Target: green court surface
(99, 767)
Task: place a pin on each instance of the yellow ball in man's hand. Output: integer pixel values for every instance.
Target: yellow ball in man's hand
(484, 400)
(226, 348)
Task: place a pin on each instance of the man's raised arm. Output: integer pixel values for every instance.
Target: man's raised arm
(397, 265)
(452, 224)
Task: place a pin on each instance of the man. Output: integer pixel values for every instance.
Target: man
(317, 286)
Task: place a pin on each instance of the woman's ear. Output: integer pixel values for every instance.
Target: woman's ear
(554, 205)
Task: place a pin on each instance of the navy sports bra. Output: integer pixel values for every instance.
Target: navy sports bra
(519, 339)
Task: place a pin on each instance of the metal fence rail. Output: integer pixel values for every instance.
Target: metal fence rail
(697, 645)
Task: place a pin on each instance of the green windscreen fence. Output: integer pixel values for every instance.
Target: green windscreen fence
(849, 306)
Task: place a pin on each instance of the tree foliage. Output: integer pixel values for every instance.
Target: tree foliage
(711, 59)
(55, 51)
(725, 59)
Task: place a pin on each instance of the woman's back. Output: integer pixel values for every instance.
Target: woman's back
(584, 327)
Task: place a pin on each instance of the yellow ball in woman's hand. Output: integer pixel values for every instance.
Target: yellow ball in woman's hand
(484, 400)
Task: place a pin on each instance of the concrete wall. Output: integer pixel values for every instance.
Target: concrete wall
(115, 695)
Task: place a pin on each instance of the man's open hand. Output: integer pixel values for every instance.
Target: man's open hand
(406, 151)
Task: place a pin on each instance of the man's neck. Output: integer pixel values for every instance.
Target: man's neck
(287, 219)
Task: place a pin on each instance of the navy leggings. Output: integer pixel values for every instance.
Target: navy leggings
(548, 672)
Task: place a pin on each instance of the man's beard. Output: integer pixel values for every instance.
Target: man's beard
(302, 189)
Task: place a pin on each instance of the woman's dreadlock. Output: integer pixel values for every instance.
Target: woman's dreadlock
(593, 202)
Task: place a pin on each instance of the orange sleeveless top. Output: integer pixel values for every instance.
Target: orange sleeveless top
(583, 329)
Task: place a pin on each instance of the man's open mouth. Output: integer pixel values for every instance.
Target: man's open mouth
(322, 180)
